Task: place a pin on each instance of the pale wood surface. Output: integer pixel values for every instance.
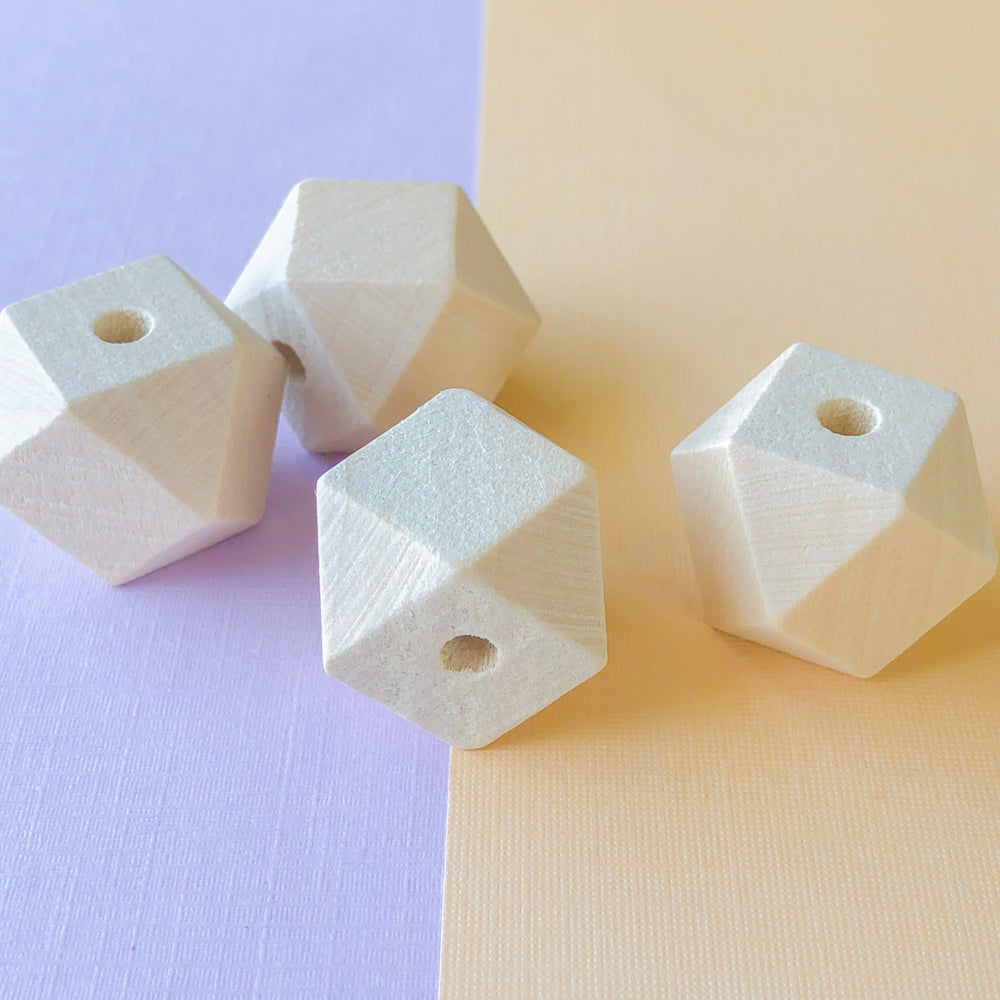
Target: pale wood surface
(387, 292)
(685, 189)
(137, 418)
(834, 510)
(460, 570)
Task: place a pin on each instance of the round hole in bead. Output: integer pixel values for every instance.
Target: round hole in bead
(468, 653)
(848, 417)
(123, 326)
(296, 370)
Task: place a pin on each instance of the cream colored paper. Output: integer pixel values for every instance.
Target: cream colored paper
(685, 189)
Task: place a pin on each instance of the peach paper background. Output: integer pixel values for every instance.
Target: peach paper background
(686, 189)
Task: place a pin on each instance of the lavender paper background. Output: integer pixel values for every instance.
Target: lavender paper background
(189, 807)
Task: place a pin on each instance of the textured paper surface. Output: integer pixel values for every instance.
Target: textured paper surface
(189, 806)
(686, 189)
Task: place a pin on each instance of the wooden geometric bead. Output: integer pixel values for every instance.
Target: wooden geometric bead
(834, 510)
(381, 294)
(137, 418)
(460, 570)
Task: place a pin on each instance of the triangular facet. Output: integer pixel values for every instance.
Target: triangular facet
(551, 566)
(370, 330)
(481, 266)
(269, 264)
(369, 569)
(98, 505)
(29, 399)
(803, 523)
(947, 490)
(713, 519)
(888, 595)
(474, 343)
(720, 427)
(373, 231)
(253, 423)
(240, 329)
(174, 424)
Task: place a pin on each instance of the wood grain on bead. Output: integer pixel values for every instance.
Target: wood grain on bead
(460, 570)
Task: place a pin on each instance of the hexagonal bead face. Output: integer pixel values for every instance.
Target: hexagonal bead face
(834, 510)
(387, 293)
(460, 570)
(137, 418)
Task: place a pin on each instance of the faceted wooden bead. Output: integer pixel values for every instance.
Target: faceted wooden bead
(382, 294)
(460, 570)
(137, 418)
(834, 510)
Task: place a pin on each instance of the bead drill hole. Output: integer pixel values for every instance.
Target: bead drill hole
(468, 652)
(296, 370)
(849, 417)
(123, 326)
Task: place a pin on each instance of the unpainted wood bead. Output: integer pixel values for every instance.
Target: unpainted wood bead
(381, 294)
(460, 570)
(834, 510)
(137, 417)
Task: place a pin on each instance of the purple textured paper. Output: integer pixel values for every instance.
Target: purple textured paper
(189, 806)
